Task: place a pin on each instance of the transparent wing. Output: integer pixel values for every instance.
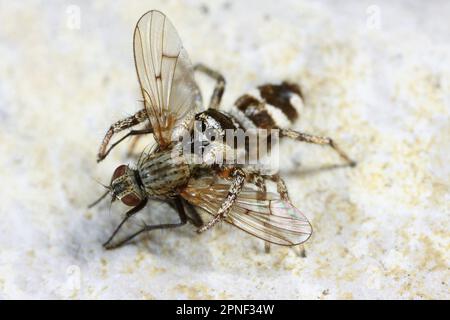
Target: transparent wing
(265, 216)
(166, 76)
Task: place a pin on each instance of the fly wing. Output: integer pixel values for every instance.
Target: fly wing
(263, 215)
(171, 95)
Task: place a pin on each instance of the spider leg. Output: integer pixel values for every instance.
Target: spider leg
(260, 182)
(233, 192)
(219, 88)
(118, 126)
(300, 136)
(281, 186)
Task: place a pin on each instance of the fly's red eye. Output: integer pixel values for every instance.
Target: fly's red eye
(131, 200)
(120, 171)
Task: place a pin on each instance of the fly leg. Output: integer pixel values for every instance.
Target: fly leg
(191, 213)
(135, 141)
(235, 188)
(118, 126)
(137, 133)
(183, 220)
(299, 136)
(129, 213)
(133, 145)
(217, 94)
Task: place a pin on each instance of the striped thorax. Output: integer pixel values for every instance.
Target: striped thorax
(159, 174)
(163, 173)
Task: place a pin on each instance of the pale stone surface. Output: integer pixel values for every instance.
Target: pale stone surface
(376, 78)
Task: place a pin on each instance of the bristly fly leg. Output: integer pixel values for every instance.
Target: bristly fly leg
(219, 88)
(129, 213)
(183, 220)
(191, 212)
(239, 180)
(136, 139)
(118, 126)
(299, 136)
(131, 133)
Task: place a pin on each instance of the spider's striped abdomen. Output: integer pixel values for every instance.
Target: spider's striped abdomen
(270, 106)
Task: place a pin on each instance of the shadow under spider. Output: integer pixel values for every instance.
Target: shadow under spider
(316, 170)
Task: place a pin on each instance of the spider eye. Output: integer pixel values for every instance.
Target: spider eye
(120, 171)
(131, 200)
